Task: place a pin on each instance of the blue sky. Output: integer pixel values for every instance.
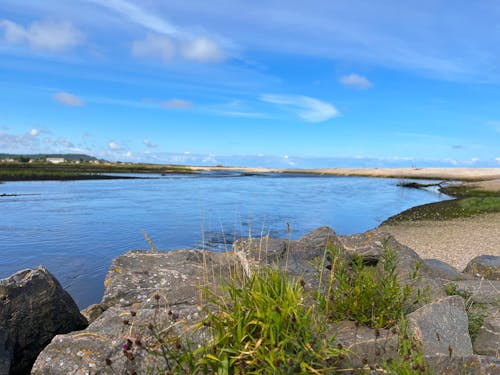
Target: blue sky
(262, 83)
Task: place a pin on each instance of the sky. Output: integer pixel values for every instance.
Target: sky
(298, 84)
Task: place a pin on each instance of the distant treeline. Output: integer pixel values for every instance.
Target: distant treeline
(67, 157)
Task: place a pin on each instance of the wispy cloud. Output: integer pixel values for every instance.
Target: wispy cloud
(149, 144)
(114, 146)
(177, 104)
(68, 99)
(168, 40)
(307, 108)
(495, 125)
(156, 46)
(42, 35)
(356, 81)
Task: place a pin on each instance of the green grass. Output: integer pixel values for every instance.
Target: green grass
(372, 296)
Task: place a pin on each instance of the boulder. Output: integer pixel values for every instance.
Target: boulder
(367, 346)
(443, 271)
(442, 328)
(481, 291)
(487, 341)
(33, 309)
(149, 299)
(486, 266)
(5, 352)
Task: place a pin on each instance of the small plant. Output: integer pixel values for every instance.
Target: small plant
(475, 313)
(410, 360)
(261, 325)
(372, 296)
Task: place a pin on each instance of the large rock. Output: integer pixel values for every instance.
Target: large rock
(147, 294)
(480, 291)
(487, 341)
(442, 328)
(367, 346)
(5, 352)
(443, 271)
(33, 309)
(486, 266)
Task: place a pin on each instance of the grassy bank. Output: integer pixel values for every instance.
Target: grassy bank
(469, 201)
(82, 171)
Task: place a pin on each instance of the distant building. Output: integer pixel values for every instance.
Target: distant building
(55, 160)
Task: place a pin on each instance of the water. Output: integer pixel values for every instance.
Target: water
(75, 228)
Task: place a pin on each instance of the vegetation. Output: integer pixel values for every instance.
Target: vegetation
(82, 170)
(267, 324)
(372, 296)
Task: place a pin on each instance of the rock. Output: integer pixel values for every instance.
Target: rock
(33, 309)
(143, 289)
(487, 341)
(92, 312)
(442, 328)
(472, 365)
(481, 291)
(5, 352)
(441, 270)
(366, 346)
(486, 266)
(297, 257)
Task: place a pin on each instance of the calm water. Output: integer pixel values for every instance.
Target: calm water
(76, 228)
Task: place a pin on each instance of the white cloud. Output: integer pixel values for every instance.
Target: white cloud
(114, 146)
(177, 104)
(203, 50)
(128, 154)
(307, 108)
(149, 144)
(497, 160)
(60, 142)
(356, 81)
(156, 46)
(68, 99)
(42, 35)
(34, 132)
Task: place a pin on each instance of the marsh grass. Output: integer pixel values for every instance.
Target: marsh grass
(372, 296)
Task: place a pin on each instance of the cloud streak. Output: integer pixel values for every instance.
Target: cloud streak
(69, 100)
(42, 35)
(356, 81)
(307, 108)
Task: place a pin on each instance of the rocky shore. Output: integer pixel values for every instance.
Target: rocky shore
(146, 292)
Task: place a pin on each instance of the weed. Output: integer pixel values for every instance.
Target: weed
(261, 325)
(372, 296)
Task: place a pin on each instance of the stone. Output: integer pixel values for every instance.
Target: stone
(366, 346)
(487, 341)
(5, 352)
(481, 291)
(33, 309)
(486, 266)
(443, 271)
(145, 293)
(472, 365)
(442, 328)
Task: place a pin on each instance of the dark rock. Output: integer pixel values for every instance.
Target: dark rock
(33, 309)
(486, 266)
(5, 352)
(487, 341)
(442, 328)
(366, 346)
(481, 291)
(441, 270)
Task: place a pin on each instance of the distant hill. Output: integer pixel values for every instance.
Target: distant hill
(68, 157)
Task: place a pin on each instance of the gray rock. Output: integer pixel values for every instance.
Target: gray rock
(5, 352)
(487, 341)
(486, 266)
(92, 312)
(472, 365)
(136, 276)
(481, 291)
(33, 309)
(441, 270)
(442, 328)
(366, 346)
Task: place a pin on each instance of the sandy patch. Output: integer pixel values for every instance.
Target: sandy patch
(455, 241)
